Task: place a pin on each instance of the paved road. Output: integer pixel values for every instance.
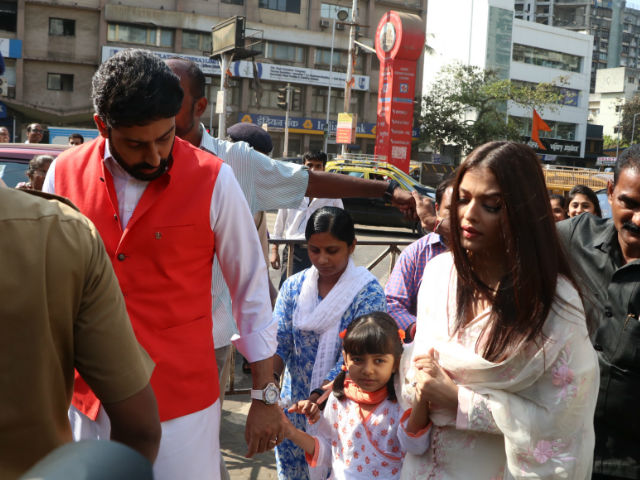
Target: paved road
(235, 407)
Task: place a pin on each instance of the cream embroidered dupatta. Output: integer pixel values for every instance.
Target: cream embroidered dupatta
(530, 416)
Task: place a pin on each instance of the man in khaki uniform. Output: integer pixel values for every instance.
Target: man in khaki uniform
(61, 308)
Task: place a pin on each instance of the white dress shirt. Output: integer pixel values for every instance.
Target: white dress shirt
(238, 253)
(292, 222)
(267, 184)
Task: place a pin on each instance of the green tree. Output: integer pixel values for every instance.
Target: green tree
(467, 105)
(629, 109)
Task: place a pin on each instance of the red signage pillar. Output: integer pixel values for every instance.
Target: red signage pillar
(399, 43)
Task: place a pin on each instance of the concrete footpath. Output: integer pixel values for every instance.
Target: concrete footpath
(234, 415)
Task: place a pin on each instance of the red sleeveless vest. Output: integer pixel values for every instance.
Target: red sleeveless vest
(163, 261)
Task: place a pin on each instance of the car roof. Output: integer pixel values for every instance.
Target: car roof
(26, 151)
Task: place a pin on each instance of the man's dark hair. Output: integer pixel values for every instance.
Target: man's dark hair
(78, 136)
(315, 156)
(134, 87)
(629, 158)
(446, 182)
(194, 75)
(561, 200)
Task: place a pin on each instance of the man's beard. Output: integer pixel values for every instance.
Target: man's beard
(136, 170)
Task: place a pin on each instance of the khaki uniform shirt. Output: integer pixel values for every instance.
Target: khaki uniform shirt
(60, 308)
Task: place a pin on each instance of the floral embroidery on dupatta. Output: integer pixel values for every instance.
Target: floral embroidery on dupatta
(562, 376)
(555, 451)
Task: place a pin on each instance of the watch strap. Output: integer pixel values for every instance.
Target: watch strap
(391, 187)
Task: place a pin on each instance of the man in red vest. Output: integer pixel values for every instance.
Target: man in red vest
(164, 209)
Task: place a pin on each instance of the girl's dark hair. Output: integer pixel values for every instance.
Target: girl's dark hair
(587, 192)
(373, 333)
(534, 256)
(334, 220)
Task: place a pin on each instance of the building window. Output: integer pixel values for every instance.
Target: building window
(62, 26)
(559, 130)
(323, 57)
(285, 52)
(234, 2)
(269, 97)
(319, 100)
(291, 6)
(546, 58)
(158, 37)
(328, 10)
(196, 40)
(8, 16)
(631, 80)
(60, 81)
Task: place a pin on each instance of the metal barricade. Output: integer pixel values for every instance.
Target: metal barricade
(392, 251)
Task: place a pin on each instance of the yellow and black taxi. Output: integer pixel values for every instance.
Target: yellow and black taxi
(375, 211)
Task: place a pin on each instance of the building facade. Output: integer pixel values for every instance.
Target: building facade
(56, 47)
(488, 36)
(614, 26)
(614, 87)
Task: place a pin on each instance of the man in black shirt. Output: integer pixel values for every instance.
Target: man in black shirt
(606, 259)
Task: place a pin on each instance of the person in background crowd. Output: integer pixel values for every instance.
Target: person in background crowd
(312, 308)
(290, 223)
(582, 199)
(76, 139)
(35, 133)
(134, 182)
(502, 335)
(4, 135)
(37, 171)
(606, 255)
(558, 208)
(71, 315)
(402, 287)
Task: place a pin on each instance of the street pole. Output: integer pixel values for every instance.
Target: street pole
(633, 126)
(222, 112)
(333, 38)
(351, 58)
(285, 152)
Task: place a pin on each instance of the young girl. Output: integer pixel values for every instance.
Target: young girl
(364, 433)
(582, 199)
(313, 307)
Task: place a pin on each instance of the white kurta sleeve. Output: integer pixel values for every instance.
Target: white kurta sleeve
(243, 267)
(49, 185)
(415, 443)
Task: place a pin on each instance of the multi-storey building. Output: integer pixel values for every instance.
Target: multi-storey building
(486, 34)
(52, 49)
(615, 27)
(614, 87)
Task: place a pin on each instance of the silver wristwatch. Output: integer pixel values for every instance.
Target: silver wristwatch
(268, 395)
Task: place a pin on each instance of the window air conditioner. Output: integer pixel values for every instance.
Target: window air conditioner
(339, 26)
(324, 23)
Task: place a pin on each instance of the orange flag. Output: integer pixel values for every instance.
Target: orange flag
(538, 124)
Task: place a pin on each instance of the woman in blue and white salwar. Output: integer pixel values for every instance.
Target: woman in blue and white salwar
(313, 307)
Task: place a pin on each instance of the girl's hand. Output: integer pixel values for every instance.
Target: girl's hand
(433, 383)
(308, 408)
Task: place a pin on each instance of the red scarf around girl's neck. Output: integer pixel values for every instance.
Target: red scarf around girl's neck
(353, 392)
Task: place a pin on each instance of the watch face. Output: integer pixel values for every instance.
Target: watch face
(271, 394)
(387, 36)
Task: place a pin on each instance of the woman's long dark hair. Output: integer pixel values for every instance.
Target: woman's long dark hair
(533, 253)
(373, 333)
